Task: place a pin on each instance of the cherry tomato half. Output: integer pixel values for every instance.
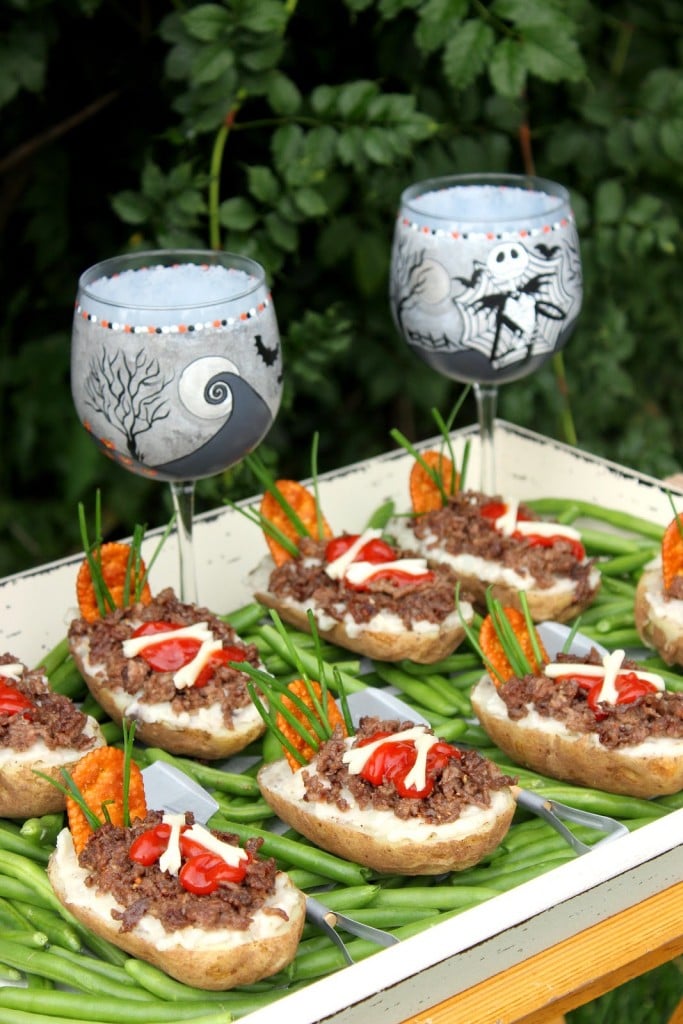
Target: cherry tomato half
(11, 699)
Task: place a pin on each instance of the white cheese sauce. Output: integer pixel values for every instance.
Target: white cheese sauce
(263, 925)
(39, 753)
(487, 696)
(383, 824)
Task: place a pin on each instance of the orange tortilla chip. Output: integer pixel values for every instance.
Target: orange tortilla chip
(494, 651)
(672, 552)
(425, 496)
(99, 778)
(303, 503)
(334, 717)
(113, 558)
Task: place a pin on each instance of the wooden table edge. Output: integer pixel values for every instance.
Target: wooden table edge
(572, 972)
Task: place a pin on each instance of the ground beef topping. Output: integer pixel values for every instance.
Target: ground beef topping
(468, 780)
(104, 638)
(304, 579)
(149, 890)
(460, 529)
(52, 718)
(654, 715)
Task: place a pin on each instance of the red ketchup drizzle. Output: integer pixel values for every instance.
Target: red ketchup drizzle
(173, 654)
(391, 762)
(495, 509)
(202, 871)
(629, 687)
(11, 699)
(375, 551)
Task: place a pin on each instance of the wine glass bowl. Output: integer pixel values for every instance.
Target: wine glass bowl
(485, 281)
(176, 368)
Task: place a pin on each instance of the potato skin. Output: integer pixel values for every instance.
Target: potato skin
(655, 631)
(214, 968)
(182, 740)
(577, 757)
(543, 604)
(23, 794)
(418, 647)
(345, 835)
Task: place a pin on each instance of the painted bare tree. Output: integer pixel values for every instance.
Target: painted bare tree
(129, 394)
(408, 280)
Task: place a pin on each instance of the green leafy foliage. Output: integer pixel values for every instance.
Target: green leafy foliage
(287, 129)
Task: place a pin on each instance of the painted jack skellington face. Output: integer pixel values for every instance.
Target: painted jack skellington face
(508, 300)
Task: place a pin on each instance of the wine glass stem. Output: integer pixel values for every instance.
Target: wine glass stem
(487, 399)
(182, 492)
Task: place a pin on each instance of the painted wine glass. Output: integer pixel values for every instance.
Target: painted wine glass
(176, 369)
(485, 282)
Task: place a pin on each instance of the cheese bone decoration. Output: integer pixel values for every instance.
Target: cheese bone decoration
(598, 721)
(389, 795)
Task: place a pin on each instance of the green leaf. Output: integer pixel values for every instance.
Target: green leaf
(237, 213)
(131, 207)
(262, 183)
(283, 234)
(525, 13)
(466, 52)
(310, 202)
(354, 97)
(507, 68)
(671, 139)
(283, 94)
(207, 22)
(609, 202)
(212, 63)
(376, 146)
(265, 16)
(438, 19)
(551, 55)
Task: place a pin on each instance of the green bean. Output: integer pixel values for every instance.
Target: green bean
(615, 517)
(82, 1007)
(324, 961)
(598, 542)
(614, 585)
(30, 1016)
(12, 841)
(55, 927)
(14, 889)
(245, 618)
(155, 982)
(112, 972)
(505, 880)
(453, 663)
(55, 657)
(68, 681)
(612, 805)
(416, 689)
(436, 897)
(254, 811)
(303, 879)
(47, 965)
(9, 974)
(43, 830)
(30, 884)
(388, 918)
(617, 638)
(36, 940)
(352, 897)
(297, 854)
(205, 775)
(112, 732)
(448, 692)
(309, 662)
(621, 564)
(35, 982)
(605, 609)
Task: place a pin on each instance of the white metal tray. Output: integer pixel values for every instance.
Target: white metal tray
(418, 973)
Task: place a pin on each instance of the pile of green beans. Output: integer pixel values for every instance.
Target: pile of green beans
(53, 970)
